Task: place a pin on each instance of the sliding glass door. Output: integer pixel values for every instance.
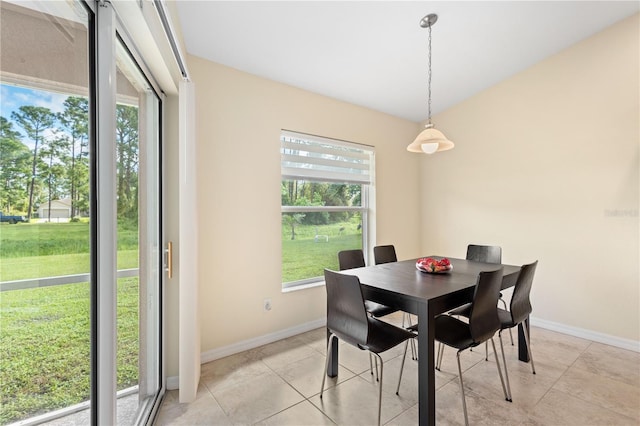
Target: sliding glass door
(138, 189)
(81, 272)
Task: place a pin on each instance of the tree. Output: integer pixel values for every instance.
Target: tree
(75, 121)
(54, 171)
(291, 220)
(14, 168)
(35, 121)
(127, 165)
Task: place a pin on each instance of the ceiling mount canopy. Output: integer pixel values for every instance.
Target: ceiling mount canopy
(430, 140)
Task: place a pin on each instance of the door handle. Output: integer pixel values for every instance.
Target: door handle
(169, 263)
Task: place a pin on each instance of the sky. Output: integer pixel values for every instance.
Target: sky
(13, 97)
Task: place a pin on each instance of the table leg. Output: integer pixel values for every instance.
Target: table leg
(523, 354)
(426, 368)
(332, 371)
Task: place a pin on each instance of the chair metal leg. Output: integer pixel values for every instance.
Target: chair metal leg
(326, 365)
(486, 351)
(528, 342)
(375, 363)
(371, 360)
(439, 354)
(404, 356)
(504, 303)
(407, 316)
(464, 402)
(414, 350)
(507, 395)
(380, 391)
(504, 362)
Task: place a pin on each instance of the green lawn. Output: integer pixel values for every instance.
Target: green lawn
(306, 256)
(45, 337)
(45, 332)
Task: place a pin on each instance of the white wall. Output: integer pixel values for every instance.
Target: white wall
(546, 165)
(239, 118)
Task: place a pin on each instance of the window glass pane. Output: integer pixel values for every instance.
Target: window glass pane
(44, 199)
(308, 248)
(324, 193)
(139, 252)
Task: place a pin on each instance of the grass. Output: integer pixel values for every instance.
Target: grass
(46, 239)
(45, 340)
(306, 256)
(45, 332)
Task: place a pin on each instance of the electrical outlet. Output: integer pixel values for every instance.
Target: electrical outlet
(267, 304)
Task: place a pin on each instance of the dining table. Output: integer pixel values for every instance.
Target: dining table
(426, 295)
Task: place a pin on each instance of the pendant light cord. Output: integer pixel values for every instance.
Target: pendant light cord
(429, 74)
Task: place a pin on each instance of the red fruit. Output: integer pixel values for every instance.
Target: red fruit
(444, 262)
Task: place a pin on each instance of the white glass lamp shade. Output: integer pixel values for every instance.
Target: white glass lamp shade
(429, 141)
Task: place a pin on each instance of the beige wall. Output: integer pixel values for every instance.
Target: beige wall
(239, 118)
(546, 165)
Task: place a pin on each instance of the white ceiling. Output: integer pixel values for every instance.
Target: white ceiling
(374, 53)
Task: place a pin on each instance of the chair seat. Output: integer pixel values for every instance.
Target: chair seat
(377, 309)
(453, 332)
(384, 336)
(506, 320)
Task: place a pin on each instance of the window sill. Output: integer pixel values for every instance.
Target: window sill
(303, 286)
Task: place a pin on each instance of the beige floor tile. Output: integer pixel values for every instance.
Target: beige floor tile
(482, 409)
(355, 402)
(559, 408)
(305, 375)
(552, 347)
(302, 414)
(317, 339)
(232, 371)
(257, 399)
(205, 410)
(614, 363)
(600, 390)
(526, 388)
(283, 352)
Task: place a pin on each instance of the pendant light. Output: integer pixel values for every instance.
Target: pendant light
(430, 140)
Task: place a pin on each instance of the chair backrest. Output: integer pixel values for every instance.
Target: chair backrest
(384, 254)
(349, 259)
(486, 254)
(520, 302)
(346, 313)
(483, 316)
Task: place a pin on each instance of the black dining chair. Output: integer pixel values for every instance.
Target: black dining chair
(348, 320)
(519, 311)
(349, 259)
(484, 254)
(387, 254)
(482, 326)
(354, 258)
(384, 254)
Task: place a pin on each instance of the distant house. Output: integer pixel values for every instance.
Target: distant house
(60, 209)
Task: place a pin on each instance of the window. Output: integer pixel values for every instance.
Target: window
(326, 188)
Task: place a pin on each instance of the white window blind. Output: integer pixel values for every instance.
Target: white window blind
(316, 158)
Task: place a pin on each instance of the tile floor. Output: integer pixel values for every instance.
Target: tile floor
(578, 382)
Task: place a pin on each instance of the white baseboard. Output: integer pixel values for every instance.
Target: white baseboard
(594, 336)
(173, 382)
